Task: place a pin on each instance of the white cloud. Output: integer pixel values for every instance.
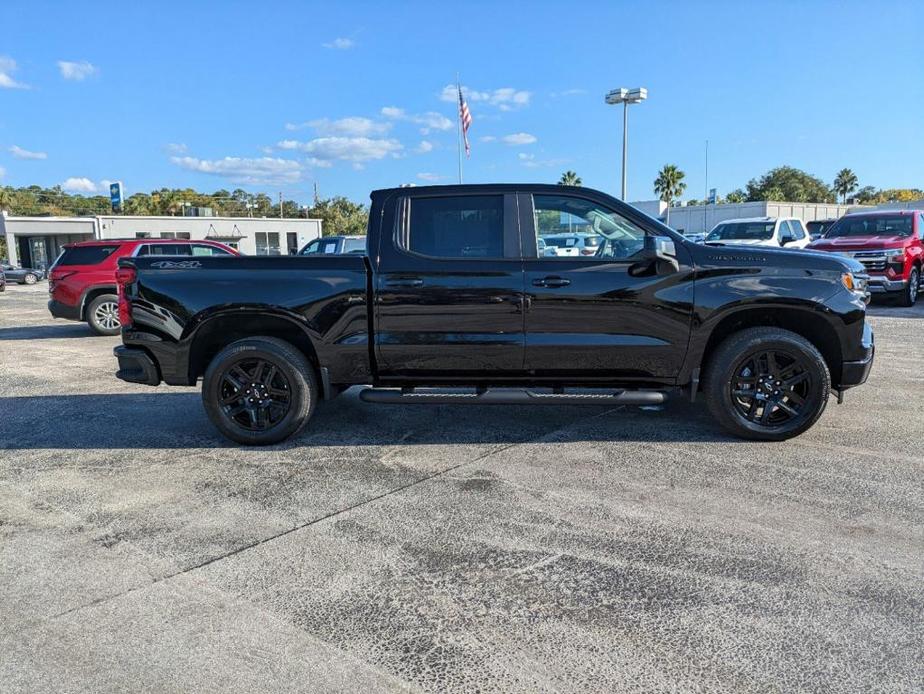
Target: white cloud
(176, 148)
(530, 161)
(245, 170)
(81, 184)
(430, 177)
(21, 153)
(518, 139)
(77, 71)
(340, 43)
(431, 120)
(505, 98)
(353, 126)
(352, 149)
(7, 68)
(568, 92)
(424, 147)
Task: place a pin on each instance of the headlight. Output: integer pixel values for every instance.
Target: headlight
(853, 283)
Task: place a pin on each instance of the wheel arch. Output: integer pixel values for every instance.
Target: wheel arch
(218, 331)
(803, 321)
(90, 294)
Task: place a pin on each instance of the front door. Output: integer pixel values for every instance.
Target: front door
(449, 292)
(601, 304)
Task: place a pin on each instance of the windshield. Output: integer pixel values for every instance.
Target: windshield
(742, 231)
(890, 225)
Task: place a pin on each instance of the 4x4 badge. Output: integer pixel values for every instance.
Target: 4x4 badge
(168, 264)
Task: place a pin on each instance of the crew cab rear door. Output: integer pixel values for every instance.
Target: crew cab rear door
(448, 289)
(619, 312)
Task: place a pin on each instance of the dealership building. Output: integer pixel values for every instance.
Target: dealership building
(37, 241)
(699, 219)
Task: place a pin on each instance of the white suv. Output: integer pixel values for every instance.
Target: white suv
(760, 231)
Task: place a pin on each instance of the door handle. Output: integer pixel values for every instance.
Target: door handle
(551, 282)
(405, 282)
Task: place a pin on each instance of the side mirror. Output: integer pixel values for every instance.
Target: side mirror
(662, 248)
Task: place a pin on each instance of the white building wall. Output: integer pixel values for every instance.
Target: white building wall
(699, 219)
(240, 232)
(64, 229)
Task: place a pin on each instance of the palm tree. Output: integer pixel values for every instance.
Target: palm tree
(669, 185)
(569, 178)
(845, 183)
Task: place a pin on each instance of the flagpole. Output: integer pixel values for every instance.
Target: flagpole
(459, 144)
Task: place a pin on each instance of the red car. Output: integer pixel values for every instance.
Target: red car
(82, 281)
(889, 243)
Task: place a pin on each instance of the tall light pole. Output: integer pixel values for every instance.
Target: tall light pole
(625, 97)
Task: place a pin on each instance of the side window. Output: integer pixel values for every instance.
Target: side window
(208, 250)
(798, 230)
(165, 249)
(785, 231)
(569, 227)
(469, 226)
(267, 243)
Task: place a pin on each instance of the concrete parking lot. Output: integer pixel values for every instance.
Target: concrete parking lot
(446, 548)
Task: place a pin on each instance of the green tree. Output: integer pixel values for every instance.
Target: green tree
(569, 178)
(669, 186)
(736, 196)
(845, 183)
(786, 183)
(340, 216)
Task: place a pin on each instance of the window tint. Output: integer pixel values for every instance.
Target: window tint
(863, 225)
(754, 231)
(568, 226)
(85, 255)
(165, 249)
(208, 250)
(320, 246)
(354, 245)
(786, 232)
(470, 226)
(798, 231)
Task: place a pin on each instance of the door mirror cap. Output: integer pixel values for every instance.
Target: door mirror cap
(663, 248)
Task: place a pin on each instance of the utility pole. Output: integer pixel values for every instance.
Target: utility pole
(280, 205)
(316, 198)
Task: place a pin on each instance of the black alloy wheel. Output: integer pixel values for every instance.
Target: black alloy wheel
(771, 388)
(254, 394)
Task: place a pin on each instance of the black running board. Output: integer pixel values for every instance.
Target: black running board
(419, 396)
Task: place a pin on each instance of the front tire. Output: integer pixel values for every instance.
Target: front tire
(30, 279)
(767, 384)
(259, 391)
(910, 292)
(103, 315)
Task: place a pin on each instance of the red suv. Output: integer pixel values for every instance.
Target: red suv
(82, 281)
(889, 243)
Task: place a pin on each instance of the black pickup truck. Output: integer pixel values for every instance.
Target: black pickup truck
(454, 303)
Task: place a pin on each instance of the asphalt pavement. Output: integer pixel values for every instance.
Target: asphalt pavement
(449, 548)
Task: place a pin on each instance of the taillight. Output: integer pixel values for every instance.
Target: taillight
(124, 277)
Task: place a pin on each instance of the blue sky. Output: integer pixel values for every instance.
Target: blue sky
(275, 96)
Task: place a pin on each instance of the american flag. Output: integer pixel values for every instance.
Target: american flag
(465, 117)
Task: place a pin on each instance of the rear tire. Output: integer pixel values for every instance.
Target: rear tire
(30, 279)
(767, 384)
(259, 391)
(103, 315)
(910, 292)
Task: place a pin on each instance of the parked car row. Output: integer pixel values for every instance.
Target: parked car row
(21, 275)
(889, 244)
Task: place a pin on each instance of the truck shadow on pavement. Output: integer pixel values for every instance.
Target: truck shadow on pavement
(172, 420)
(47, 332)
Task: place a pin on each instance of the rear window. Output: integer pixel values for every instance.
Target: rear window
(85, 255)
(742, 231)
(887, 225)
